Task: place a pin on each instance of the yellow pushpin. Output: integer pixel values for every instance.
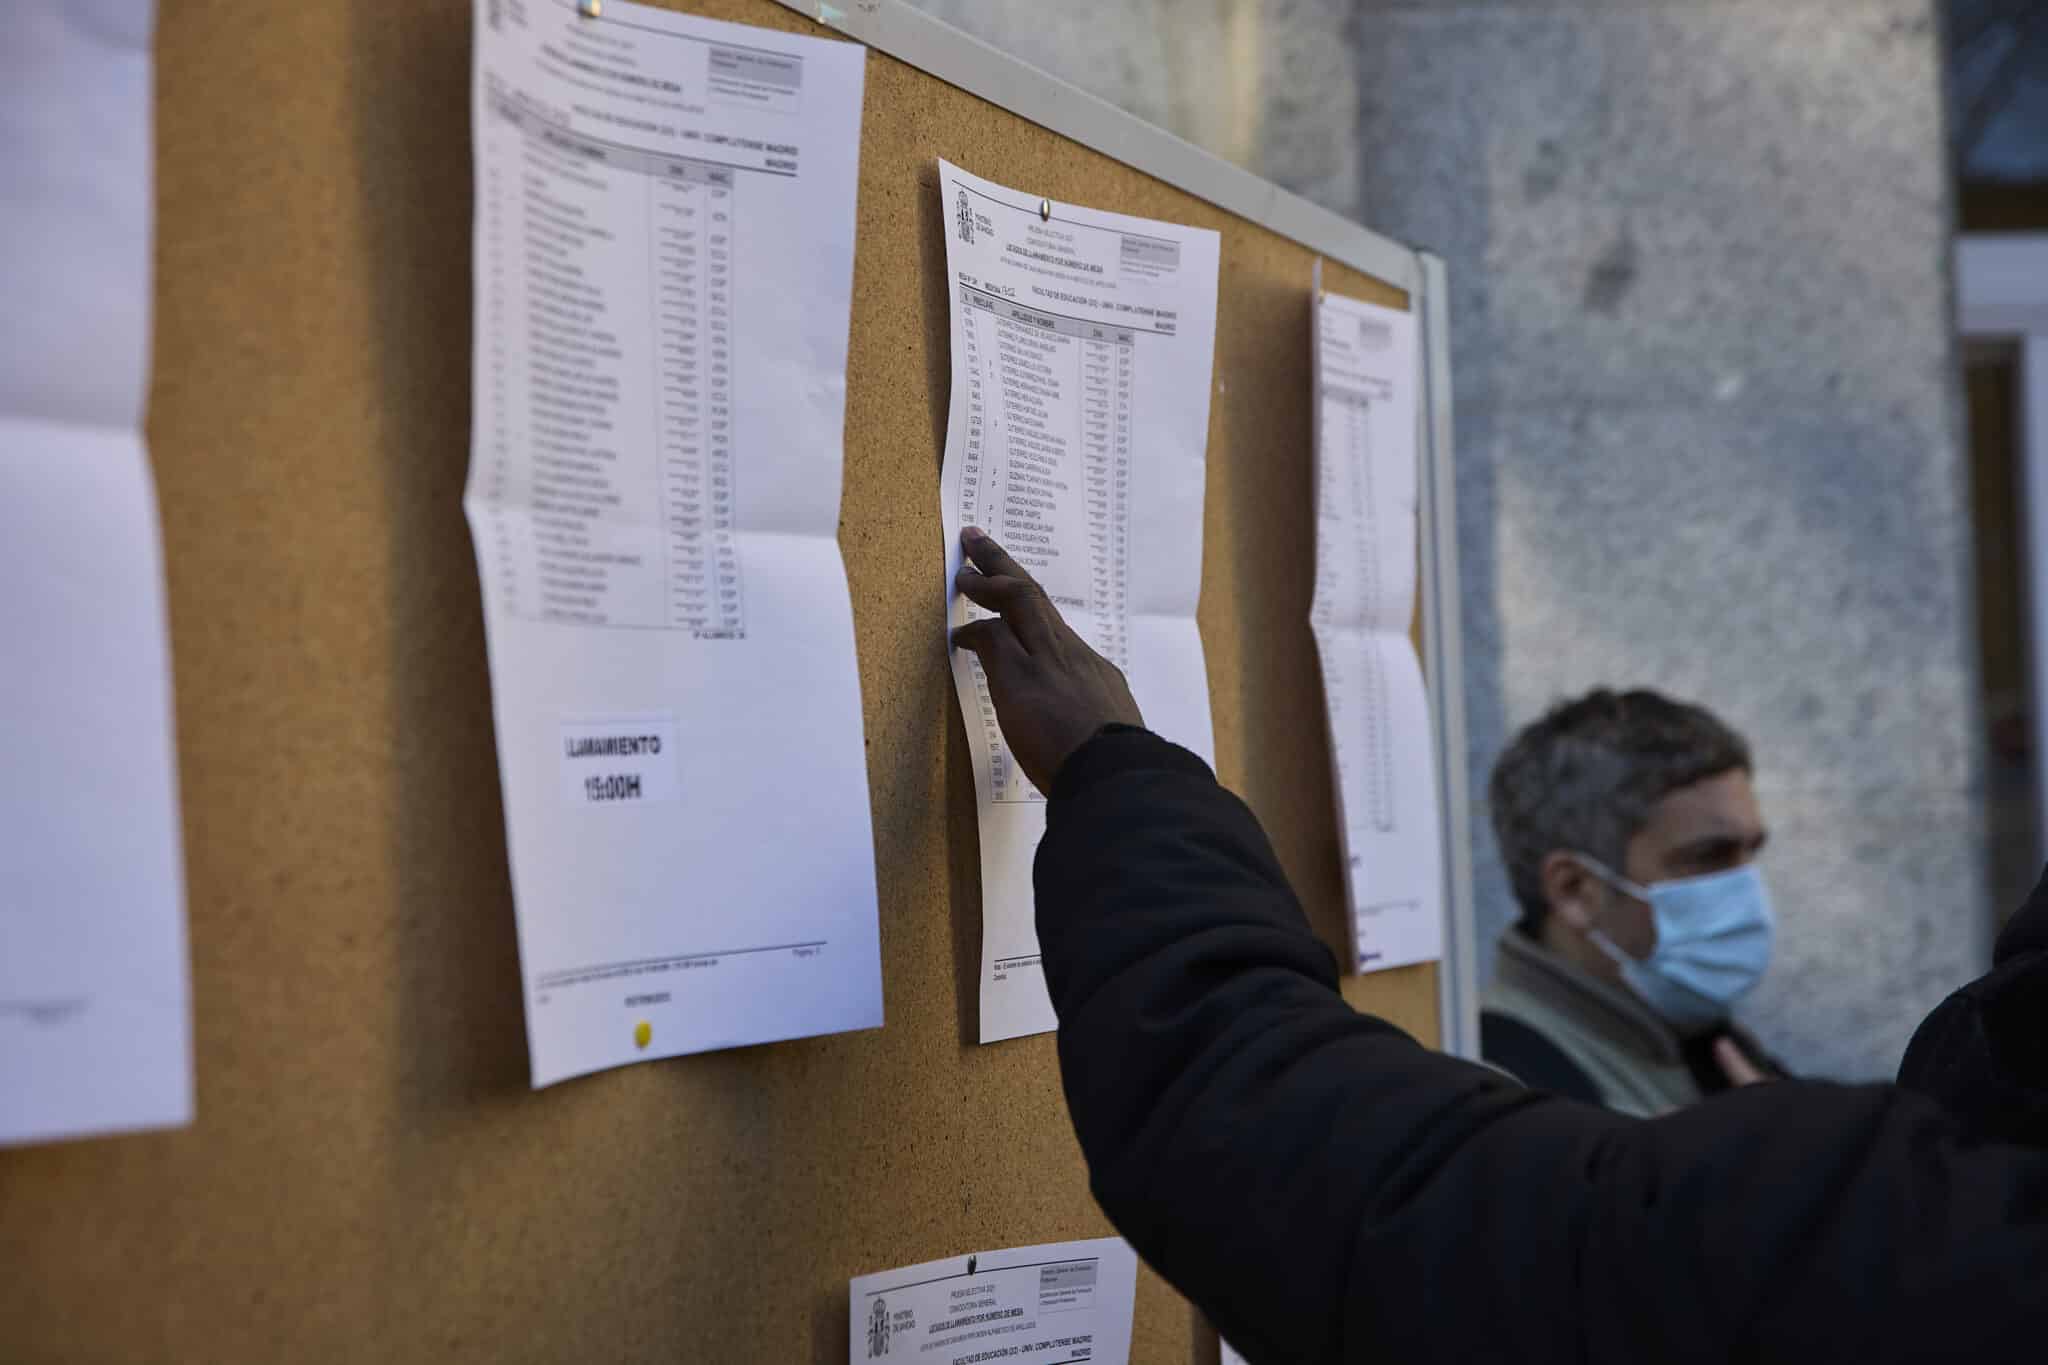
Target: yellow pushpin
(643, 1033)
(592, 9)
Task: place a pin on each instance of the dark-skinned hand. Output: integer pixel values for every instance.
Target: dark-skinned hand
(1052, 692)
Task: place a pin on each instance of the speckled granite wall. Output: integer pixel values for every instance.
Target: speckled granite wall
(1706, 408)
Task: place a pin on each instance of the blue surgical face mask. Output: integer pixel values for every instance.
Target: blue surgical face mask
(1713, 942)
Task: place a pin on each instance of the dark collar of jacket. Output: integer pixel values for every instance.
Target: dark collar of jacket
(1612, 1012)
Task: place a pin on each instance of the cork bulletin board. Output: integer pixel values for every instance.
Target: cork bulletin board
(370, 1176)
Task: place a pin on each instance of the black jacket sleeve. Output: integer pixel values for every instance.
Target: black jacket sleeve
(1984, 1054)
(1326, 1189)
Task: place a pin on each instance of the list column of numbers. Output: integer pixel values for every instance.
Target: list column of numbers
(1105, 361)
(1358, 721)
(506, 495)
(497, 486)
(976, 464)
(1375, 743)
(693, 211)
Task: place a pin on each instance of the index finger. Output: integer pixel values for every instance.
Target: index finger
(989, 557)
(1025, 606)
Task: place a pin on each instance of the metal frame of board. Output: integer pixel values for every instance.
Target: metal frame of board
(912, 36)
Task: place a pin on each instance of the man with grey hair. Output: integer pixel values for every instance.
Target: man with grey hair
(1630, 830)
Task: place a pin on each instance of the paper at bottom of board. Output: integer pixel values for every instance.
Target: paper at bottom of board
(1050, 1304)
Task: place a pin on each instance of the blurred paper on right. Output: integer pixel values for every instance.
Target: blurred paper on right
(1365, 380)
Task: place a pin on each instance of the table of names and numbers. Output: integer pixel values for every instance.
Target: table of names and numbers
(1082, 348)
(613, 493)
(664, 255)
(1047, 448)
(1360, 736)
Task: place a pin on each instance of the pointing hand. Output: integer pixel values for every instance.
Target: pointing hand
(1051, 691)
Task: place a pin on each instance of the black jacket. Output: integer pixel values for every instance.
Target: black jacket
(1326, 1189)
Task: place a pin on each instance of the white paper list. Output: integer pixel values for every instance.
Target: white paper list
(95, 1009)
(1057, 1304)
(1365, 382)
(664, 250)
(1076, 435)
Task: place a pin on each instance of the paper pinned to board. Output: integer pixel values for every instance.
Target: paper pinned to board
(664, 257)
(1366, 379)
(95, 995)
(1057, 1302)
(1076, 435)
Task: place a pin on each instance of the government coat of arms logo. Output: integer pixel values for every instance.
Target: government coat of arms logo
(878, 1329)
